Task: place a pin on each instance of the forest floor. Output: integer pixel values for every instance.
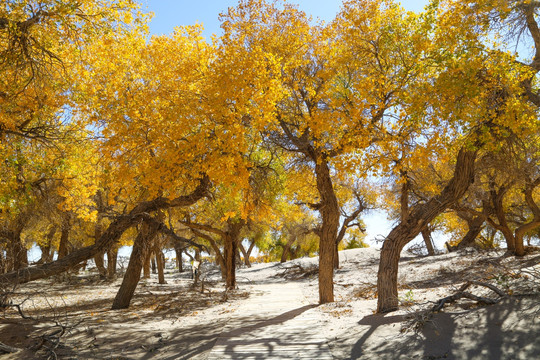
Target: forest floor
(273, 313)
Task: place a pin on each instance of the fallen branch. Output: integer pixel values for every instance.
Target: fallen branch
(464, 294)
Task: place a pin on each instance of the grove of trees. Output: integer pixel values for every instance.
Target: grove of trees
(278, 133)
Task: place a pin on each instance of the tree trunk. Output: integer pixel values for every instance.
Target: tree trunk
(419, 216)
(2, 261)
(329, 210)
(247, 253)
(98, 258)
(46, 253)
(146, 265)
(178, 250)
(100, 264)
(63, 247)
(426, 235)
(153, 263)
(231, 249)
(160, 260)
(112, 258)
(19, 252)
(220, 259)
(287, 248)
(534, 223)
(141, 249)
(475, 225)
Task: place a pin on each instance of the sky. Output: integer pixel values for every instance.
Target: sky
(171, 13)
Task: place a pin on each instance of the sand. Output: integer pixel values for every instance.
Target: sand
(274, 314)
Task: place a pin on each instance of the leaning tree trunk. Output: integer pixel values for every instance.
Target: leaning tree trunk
(98, 258)
(109, 238)
(426, 235)
(419, 216)
(475, 225)
(329, 210)
(247, 253)
(141, 249)
(287, 248)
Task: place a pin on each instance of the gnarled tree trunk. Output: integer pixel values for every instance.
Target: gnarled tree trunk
(141, 249)
(329, 210)
(419, 216)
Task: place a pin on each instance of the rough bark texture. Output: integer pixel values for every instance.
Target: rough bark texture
(141, 248)
(109, 237)
(112, 258)
(419, 216)
(329, 210)
(231, 240)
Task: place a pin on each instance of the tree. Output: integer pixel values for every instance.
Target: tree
(332, 90)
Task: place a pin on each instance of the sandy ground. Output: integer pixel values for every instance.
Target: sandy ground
(178, 321)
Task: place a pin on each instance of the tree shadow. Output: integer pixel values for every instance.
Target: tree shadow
(506, 330)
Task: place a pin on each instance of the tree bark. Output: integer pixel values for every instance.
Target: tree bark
(419, 216)
(100, 264)
(2, 261)
(426, 235)
(178, 249)
(112, 258)
(20, 253)
(329, 210)
(146, 265)
(141, 248)
(160, 260)
(230, 240)
(153, 260)
(247, 253)
(46, 253)
(497, 198)
(63, 247)
(475, 224)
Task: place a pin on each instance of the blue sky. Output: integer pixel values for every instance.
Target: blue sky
(171, 13)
